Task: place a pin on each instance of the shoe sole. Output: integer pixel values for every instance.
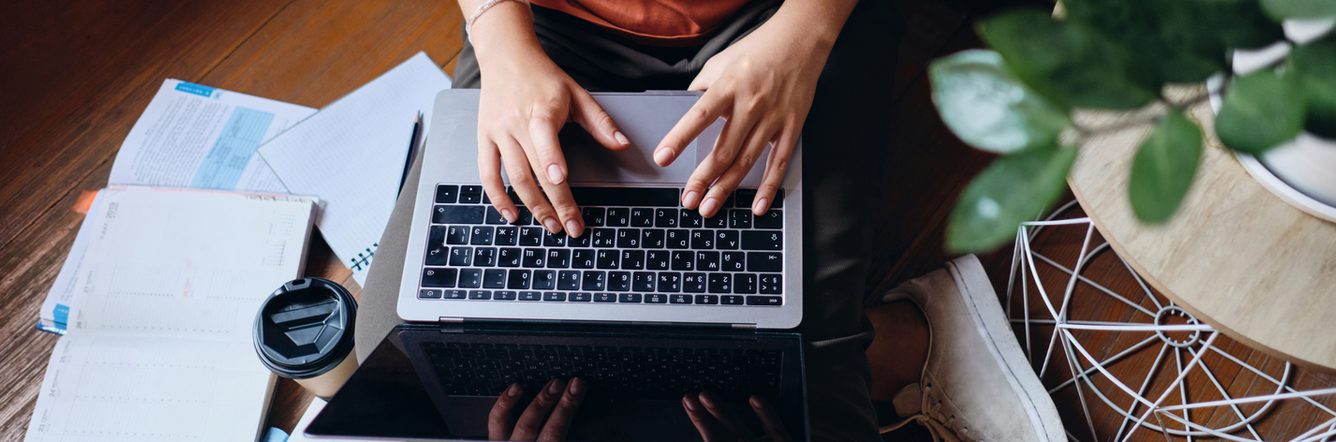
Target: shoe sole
(983, 305)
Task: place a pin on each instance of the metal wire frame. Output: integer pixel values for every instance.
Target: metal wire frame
(1187, 354)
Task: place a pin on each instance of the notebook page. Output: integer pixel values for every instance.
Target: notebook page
(186, 263)
(113, 387)
(351, 155)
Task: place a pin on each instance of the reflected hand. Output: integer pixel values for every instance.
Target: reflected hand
(547, 418)
(717, 422)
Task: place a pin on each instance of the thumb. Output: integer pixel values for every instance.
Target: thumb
(589, 115)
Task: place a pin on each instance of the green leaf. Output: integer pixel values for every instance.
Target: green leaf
(1260, 111)
(1067, 62)
(1241, 23)
(1014, 189)
(1313, 68)
(1282, 9)
(1164, 167)
(988, 108)
(1177, 41)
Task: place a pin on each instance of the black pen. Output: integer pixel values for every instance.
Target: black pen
(412, 149)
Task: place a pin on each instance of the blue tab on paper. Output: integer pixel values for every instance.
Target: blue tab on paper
(197, 89)
(61, 314)
(228, 158)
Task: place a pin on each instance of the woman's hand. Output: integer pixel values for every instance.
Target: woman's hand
(525, 100)
(762, 87)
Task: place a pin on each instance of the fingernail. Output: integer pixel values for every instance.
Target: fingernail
(552, 225)
(554, 387)
(513, 391)
(707, 207)
(686, 402)
(554, 174)
(509, 215)
(760, 205)
(577, 386)
(691, 199)
(573, 228)
(621, 139)
(663, 156)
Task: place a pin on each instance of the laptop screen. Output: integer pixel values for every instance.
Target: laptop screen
(442, 382)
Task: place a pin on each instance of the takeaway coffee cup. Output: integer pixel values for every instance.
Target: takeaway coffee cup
(304, 332)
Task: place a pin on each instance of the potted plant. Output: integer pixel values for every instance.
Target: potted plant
(1023, 97)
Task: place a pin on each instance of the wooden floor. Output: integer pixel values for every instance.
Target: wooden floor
(77, 74)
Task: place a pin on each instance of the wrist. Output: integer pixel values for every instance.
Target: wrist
(504, 34)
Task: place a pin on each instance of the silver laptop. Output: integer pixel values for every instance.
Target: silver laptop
(643, 259)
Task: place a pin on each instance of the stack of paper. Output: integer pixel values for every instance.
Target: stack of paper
(159, 342)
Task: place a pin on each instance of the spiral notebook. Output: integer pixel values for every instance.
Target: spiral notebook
(351, 154)
(159, 340)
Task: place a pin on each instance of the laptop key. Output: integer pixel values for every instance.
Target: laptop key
(731, 300)
(618, 217)
(481, 235)
(504, 295)
(679, 299)
(551, 240)
(457, 235)
(727, 240)
(531, 236)
(525, 217)
(447, 193)
(506, 236)
(773, 219)
(702, 239)
(718, 221)
(619, 281)
(707, 261)
(605, 297)
(494, 279)
(740, 218)
(642, 281)
(455, 294)
(436, 255)
(665, 217)
(470, 194)
(451, 214)
(480, 294)
(657, 260)
(493, 217)
(439, 277)
(604, 237)
(779, 199)
(582, 258)
(762, 240)
(429, 294)
(678, 239)
(633, 259)
(656, 298)
(607, 259)
(533, 258)
(529, 295)
(581, 297)
(554, 296)
(593, 216)
(721, 283)
(690, 219)
(670, 282)
(544, 280)
(580, 241)
(744, 283)
(707, 299)
(594, 280)
(764, 262)
(461, 256)
(558, 258)
(682, 260)
(652, 238)
(770, 284)
(629, 298)
(642, 217)
(764, 300)
(628, 238)
(568, 280)
(519, 279)
(693, 282)
(470, 278)
(509, 257)
(733, 261)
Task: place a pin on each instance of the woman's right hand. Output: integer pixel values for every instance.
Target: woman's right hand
(526, 99)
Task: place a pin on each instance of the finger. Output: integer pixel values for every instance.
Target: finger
(544, 122)
(489, 167)
(526, 428)
(498, 420)
(736, 132)
(597, 122)
(775, 169)
(700, 418)
(560, 421)
(518, 169)
(742, 164)
(721, 415)
(707, 109)
(563, 203)
(766, 412)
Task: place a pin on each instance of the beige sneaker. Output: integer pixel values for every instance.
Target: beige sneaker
(976, 384)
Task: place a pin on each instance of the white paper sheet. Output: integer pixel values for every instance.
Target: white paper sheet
(159, 342)
(352, 155)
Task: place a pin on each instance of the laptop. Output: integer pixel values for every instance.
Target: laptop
(651, 303)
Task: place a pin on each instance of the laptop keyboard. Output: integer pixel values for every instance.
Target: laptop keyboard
(486, 369)
(639, 247)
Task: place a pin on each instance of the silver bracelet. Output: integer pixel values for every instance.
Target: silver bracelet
(468, 24)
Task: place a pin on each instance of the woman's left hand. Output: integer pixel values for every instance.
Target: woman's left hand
(762, 87)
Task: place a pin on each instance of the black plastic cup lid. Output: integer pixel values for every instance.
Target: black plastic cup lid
(305, 328)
